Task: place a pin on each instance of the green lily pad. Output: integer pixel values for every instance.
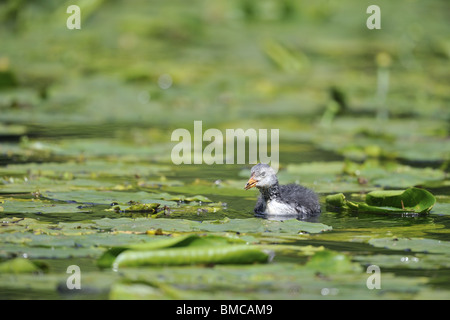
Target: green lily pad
(250, 225)
(413, 244)
(64, 240)
(409, 261)
(191, 249)
(107, 197)
(139, 207)
(331, 262)
(19, 265)
(84, 169)
(409, 200)
(231, 254)
(392, 139)
(38, 206)
(107, 259)
(139, 290)
(390, 174)
(121, 197)
(441, 208)
(19, 185)
(412, 200)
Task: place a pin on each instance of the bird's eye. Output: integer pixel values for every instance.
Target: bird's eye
(263, 174)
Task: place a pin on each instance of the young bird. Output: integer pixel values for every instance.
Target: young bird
(284, 200)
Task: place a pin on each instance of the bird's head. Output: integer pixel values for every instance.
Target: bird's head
(262, 176)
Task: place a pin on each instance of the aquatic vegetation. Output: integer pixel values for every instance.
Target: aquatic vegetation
(412, 200)
(19, 265)
(86, 175)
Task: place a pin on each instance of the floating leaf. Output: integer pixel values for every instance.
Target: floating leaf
(413, 244)
(441, 209)
(391, 174)
(231, 254)
(249, 225)
(409, 261)
(107, 197)
(191, 249)
(192, 240)
(331, 262)
(148, 290)
(37, 206)
(137, 208)
(88, 169)
(146, 207)
(412, 200)
(409, 200)
(18, 265)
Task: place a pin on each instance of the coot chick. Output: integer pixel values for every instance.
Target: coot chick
(284, 200)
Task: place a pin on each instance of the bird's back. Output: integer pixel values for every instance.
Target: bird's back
(304, 200)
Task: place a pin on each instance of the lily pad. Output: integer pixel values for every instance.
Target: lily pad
(441, 209)
(331, 262)
(412, 200)
(139, 207)
(19, 265)
(137, 290)
(38, 206)
(191, 249)
(231, 254)
(389, 174)
(409, 261)
(63, 241)
(392, 139)
(107, 259)
(409, 200)
(19, 185)
(250, 225)
(107, 197)
(413, 244)
(84, 169)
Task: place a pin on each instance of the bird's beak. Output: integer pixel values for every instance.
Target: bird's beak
(250, 183)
